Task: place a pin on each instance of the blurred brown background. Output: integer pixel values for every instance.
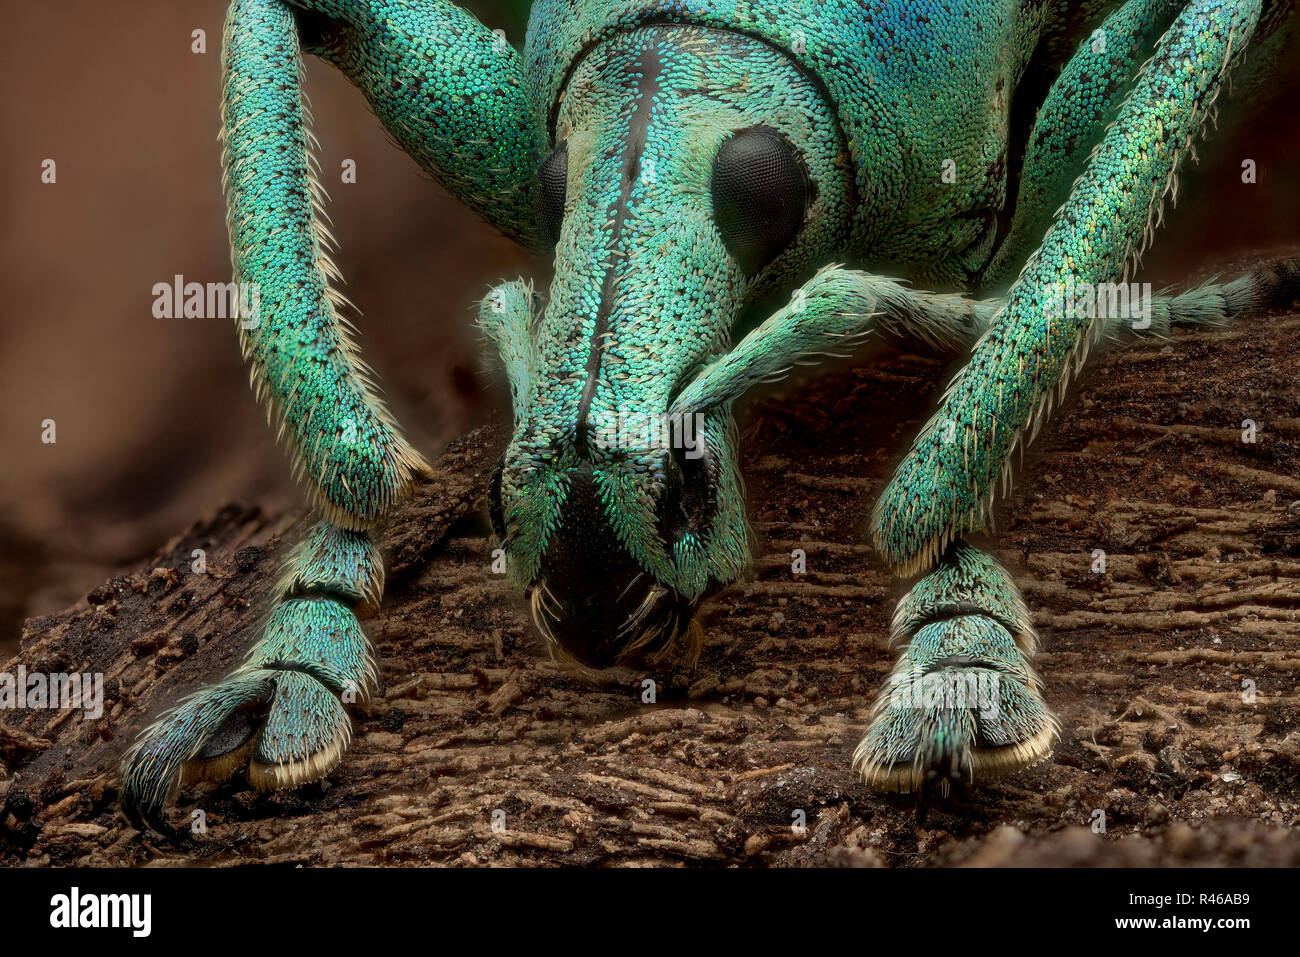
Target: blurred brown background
(155, 422)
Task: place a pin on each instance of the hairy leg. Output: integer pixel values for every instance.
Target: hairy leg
(280, 713)
(945, 485)
(506, 316)
(448, 90)
(279, 716)
(1072, 120)
(839, 308)
(346, 447)
(962, 702)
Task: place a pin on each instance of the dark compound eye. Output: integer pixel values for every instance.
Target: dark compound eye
(551, 189)
(760, 195)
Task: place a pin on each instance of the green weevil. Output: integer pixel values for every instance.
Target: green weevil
(681, 160)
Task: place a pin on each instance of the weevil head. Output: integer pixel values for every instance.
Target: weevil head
(693, 170)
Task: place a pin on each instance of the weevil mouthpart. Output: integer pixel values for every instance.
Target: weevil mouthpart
(645, 622)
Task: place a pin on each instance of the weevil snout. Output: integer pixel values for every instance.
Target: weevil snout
(592, 599)
(620, 506)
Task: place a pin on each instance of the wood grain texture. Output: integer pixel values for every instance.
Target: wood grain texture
(1144, 664)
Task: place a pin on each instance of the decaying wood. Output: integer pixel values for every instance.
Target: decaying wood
(1145, 662)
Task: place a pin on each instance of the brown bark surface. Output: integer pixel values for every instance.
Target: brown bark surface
(1144, 664)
